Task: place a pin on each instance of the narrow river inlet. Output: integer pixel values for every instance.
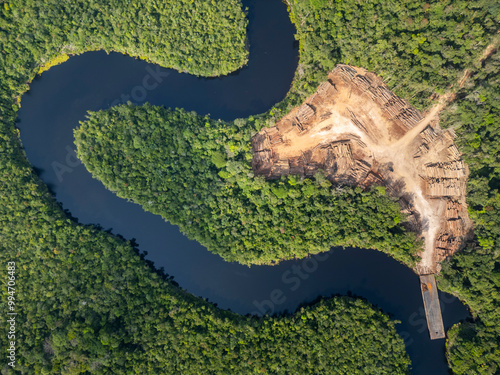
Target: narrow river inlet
(61, 97)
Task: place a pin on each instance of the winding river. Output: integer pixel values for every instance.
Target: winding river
(60, 98)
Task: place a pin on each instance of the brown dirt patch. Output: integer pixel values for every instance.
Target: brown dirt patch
(359, 133)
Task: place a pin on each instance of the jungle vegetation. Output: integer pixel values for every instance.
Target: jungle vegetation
(86, 300)
(423, 48)
(88, 303)
(206, 38)
(202, 180)
(474, 274)
(429, 46)
(418, 47)
(91, 304)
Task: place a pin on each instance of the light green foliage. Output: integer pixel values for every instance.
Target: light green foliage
(474, 275)
(476, 117)
(90, 304)
(86, 302)
(240, 216)
(201, 37)
(97, 307)
(473, 349)
(418, 47)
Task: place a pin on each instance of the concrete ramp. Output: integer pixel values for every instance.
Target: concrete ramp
(432, 307)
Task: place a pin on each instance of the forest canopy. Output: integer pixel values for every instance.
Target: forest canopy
(202, 180)
(206, 38)
(418, 47)
(474, 274)
(422, 49)
(87, 301)
(91, 304)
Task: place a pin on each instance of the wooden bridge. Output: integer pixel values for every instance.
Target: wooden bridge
(432, 307)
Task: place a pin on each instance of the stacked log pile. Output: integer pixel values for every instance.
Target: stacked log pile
(345, 72)
(279, 168)
(444, 187)
(452, 234)
(371, 178)
(362, 82)
(262, 153)
(262, 161)
(305, 116)
(380, 94)
(343, 157)
(357, 122)
(453, 152)
(346, 159)
(446, 245)
(336, 159)
(428, 135)
(443, 179)
(297, 165)
(399, 111)
(359, 171)
(325, 94)
(356, 139)
(452, 169)
(275, 138)
(261, 142)
(454, 210)
(422, 150)
(408, 117)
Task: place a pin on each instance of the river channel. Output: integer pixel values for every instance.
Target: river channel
(60, 98)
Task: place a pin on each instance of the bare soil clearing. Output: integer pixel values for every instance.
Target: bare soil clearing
(359, 133)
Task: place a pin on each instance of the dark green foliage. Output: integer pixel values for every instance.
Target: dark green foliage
(473, 349)
(196, 173)
(86, 301)
(476, 117)
(474, 275)
(419, 47)
(204, 37)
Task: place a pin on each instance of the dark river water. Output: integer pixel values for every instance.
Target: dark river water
(60, 98)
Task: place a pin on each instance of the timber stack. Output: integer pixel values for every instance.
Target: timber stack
(345, 156)
(358, 132)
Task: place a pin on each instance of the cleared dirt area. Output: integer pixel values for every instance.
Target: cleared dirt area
(359, 133)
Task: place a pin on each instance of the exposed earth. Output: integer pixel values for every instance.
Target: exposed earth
(359, 133)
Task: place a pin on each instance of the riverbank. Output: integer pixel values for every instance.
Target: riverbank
(359, 133)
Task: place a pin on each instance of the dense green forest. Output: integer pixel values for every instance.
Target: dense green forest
(89, 303)
(429, 47)
(206, 38)
(474, 274)
(86, 301)
(422, 48)
(202, 180)
(418, 47)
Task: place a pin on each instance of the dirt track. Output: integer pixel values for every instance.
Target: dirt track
(360, 133)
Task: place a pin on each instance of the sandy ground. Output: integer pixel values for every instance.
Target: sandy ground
(384, 148)
(383, 143)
